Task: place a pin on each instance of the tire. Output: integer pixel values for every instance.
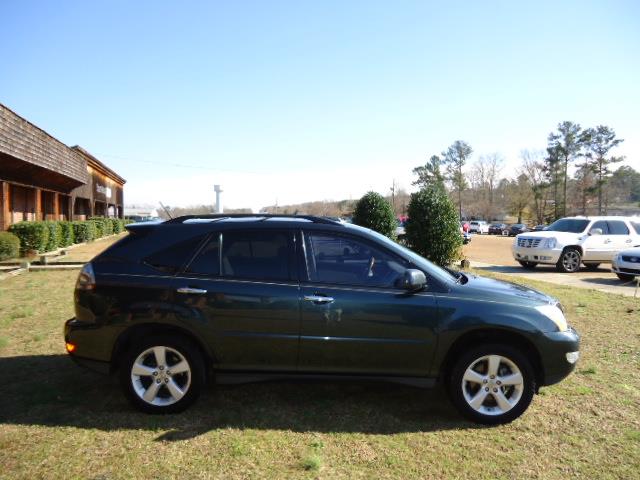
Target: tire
(569, 261)
(592, 267)
(175, 391)
(498, 403)
(528, 265)
(625, 277)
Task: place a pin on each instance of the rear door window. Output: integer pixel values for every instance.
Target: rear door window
(617, 227)
(207, 262)
(636, 226)
(257, 254)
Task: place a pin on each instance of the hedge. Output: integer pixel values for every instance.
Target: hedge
(55, 235)
(84, 231)
(34, 236)
(66, 234)
(9, 245)
(45, 236)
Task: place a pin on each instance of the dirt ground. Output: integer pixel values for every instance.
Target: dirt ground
(494, 249)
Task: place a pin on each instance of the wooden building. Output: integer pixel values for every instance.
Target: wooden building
(41, 178)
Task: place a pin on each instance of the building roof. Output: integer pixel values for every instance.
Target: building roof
(98, 165)
(21, 139)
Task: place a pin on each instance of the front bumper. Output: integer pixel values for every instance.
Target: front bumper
(554, 347)
(625, 268)
(538, 255)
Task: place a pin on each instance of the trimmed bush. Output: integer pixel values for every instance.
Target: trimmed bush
(374, 212)
(34, 236)
(98, 226)
(84, 231)
(433, 229)
(55, 235)
(117, 225)
(66, 234)
(9, 245)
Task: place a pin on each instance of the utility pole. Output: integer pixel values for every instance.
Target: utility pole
(393, 195)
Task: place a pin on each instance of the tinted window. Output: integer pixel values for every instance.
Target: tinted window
(207, 262)
(570, 225)
(616, 227)
(257, 255)
(602, 225)
(636, 226)
(173, 258)
(345, 260)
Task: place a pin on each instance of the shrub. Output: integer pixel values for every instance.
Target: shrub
(66, 234)
(374, 212)
(83, 231)
(117, 225)
(9, 245)
(33, 236)
(433, 229)
(55, 235)
(98, 226)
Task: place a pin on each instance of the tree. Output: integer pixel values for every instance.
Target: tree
(455, 158)
(533, 168)
(564, 147)
(519, 192)
(484, 180)
(374, 212)
(433, 228)
(430, 173)
(599, 142)
(584, 186)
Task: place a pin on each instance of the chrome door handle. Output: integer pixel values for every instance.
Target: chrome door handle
(628, 241)
(317, 299)
(192, 291)
(607, 241)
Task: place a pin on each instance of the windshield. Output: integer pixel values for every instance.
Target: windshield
(569, 225)
(422, 263)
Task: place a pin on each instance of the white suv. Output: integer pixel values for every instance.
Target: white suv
(479, 226)
(571, 241)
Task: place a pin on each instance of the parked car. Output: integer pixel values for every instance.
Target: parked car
(517, 229)
(539, 228)
(478, 226)
(246, 298)
(626, 264)
(498, 229)
(569, 242)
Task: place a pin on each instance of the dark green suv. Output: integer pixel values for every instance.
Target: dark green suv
(247, 298)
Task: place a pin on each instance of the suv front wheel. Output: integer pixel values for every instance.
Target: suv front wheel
(569, 261)
(492, 384)
(162, 374)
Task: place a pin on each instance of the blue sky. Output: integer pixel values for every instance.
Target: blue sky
(294, 101)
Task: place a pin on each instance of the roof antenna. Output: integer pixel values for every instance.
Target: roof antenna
(165, 210)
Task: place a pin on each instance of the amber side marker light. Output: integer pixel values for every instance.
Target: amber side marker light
(71, 347)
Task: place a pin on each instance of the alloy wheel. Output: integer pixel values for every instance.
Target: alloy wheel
(161, 376)
(492, 385)
(571, 260)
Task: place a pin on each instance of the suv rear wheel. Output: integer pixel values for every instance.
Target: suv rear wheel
(162, 374)
(492, 384)
(569, 261)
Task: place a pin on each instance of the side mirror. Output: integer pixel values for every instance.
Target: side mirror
(413, 280)
(595, 231)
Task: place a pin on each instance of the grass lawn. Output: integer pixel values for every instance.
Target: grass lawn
(60, 421)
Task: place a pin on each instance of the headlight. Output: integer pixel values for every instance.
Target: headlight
(550, 243)
(554, 314)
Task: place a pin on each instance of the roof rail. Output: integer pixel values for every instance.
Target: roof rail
(259, 216)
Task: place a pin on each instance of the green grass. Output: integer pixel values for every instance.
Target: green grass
(60, 421)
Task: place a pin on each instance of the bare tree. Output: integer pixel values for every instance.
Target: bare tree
(533, 167)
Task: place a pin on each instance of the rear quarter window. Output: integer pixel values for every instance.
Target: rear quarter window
(171, 259)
